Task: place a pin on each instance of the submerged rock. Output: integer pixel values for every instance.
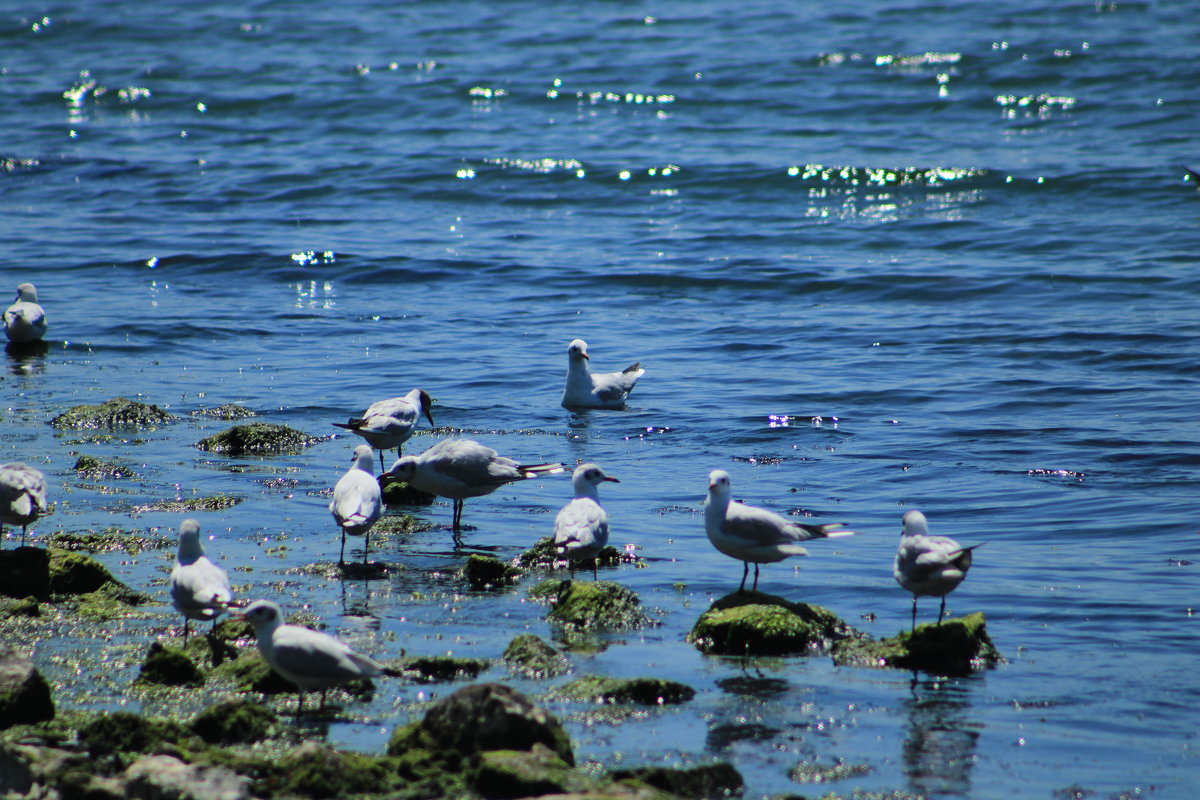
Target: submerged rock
(24, 694)
(956, 647)
(167, 666)
(250, 673)
(234, 721)
(95, 468)
(643, 691)
(118, 412)
(228, 411)
(752, 623)
(438, 669)
(187, 505)
(129, 734)
(533, 657)
(34, 572)
(317, 770)
(707, 781)
(257, 437)
(592, 605)
(399, 493)
(488, 572)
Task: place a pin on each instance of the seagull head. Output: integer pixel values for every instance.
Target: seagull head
(718, 482)
(190, 547)
(262, 614)
(364, 458)
(914, 524)
(589, 475)
(403, 469)
(577, 349)
(426, 403)
(26, 293)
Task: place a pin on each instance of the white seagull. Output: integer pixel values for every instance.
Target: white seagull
(755, 535)
(390, 423)
(931, 566)
(462, 468)
(310, 659)
(581, 527)
(585, 389)
(22, 496)
(24, 320)
(200, 590)
(357, 502)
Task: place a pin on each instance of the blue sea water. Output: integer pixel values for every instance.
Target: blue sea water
(873, 256)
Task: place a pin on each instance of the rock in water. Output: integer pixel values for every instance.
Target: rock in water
(752, 623)
(24, 693)
(956, 647)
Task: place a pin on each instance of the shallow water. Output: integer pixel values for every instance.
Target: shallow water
(960, 237)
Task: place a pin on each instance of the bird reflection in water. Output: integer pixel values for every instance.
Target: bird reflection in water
(940, 743)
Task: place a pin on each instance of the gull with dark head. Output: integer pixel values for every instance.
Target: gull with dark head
(22, 496)
(357, 501)
(755, 535)
(586, 389)
(581, 527)
(200, 590)
(310, 659)
(462, 468)
(25, 320)
(928, 566)
(390, 423)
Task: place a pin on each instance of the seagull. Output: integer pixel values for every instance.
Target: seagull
(310, 659)
(754, 534)
(581, 527)
(390, 423)
(587, 390)
(22, 496)
(927, 565)
(357, 502)
(24, 320)
(200, 589)
(462, 468)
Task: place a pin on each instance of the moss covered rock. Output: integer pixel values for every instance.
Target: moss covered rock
(234, 721)
(527, 773)
(752, 623)
(257, 437)
(19, 607)
(250, 673)
(643, 691)
(122, 732)
(164, 776)
(227, 411)
(399, 493)
(707, 781)
(168, 666)
(24, 694)
(98, 468)
(592, 605)
(533, 657)
(956, 647)
(118, 412)
(488, 572)
(34, 572)
(545, 555)
(317, 770)
(439, 669)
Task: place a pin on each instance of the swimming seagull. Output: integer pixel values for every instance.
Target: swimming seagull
(462, 468)
(585, 389)
(754, 534)
(310, 659)
(25, 320)
(931, 566)
(22, 496)
(200, 590)
(357, 502)
(390, 423)
(581, 527)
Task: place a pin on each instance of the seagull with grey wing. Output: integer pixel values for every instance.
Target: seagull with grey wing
(581, 527)
(200, 590)
(586, 389)
(22, 496)
(388, 424)
(929, 566)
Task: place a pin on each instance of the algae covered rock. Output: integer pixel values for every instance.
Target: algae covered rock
(485, 716)
(227, 412)
(162, 776)
(169, 667)
(643, 691)
(34, 572)
(533, 657)
(752, 623)
(708, 780)
(250, 673)
(956, 647)
(25, 572)
(118, 412)
(399, 493)
(24, 694)
(546, 555)
(19, 607)
(317, 770)
(96, 468)
(527, 773)
(257, 437)
(126, 733)
(234, 721)
(488, 572)
(437, 669)
(592, 605)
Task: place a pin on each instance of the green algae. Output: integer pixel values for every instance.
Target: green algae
(527, 773)
(181, 505)
(109, 540)
(19, 607)
(123, 733)
(234, 721)
(97, 468)
(641, 691)
(484, 572)
(168, 666)
(956, 647)
(399, 493)
(257, 437)
(47, 573)
(440, 669)
(592, 605)
(119, 412)
(531, 656)
(752, 623)
(705, 781)
(545, 555)
(250, 673)
(226, 411)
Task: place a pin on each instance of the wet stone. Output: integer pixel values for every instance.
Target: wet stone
(20, 607)
(641, 691)
(440, 669)
(317, 770)
(99, 468)
(234, 721)
(118, 412)
(399, 493)
(527, 773)
(250, 673)
(24, 694)
(164, 776)
(592, 605)
(228, 411)
(488, 572)
(707, 781)
(753, 623)
(34, 572)
(533, 657)
(956, 647)
(167, 666)
(257, 437)
(122, 732)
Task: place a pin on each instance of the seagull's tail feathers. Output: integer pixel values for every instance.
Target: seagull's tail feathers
(538, 470)
(829, 530)
(962, 559)
(350, 424)
(633, 368)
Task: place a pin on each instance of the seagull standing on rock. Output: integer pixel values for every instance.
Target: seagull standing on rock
(200, 590)
(586, 389)
(462, 468)
(25, 320)
(357, 501)
(581, 527)
(22, 496)
(390, 423)
(755, 535)
(310, 659)
(931, 566)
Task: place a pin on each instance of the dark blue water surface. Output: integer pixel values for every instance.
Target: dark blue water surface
(958, 233)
